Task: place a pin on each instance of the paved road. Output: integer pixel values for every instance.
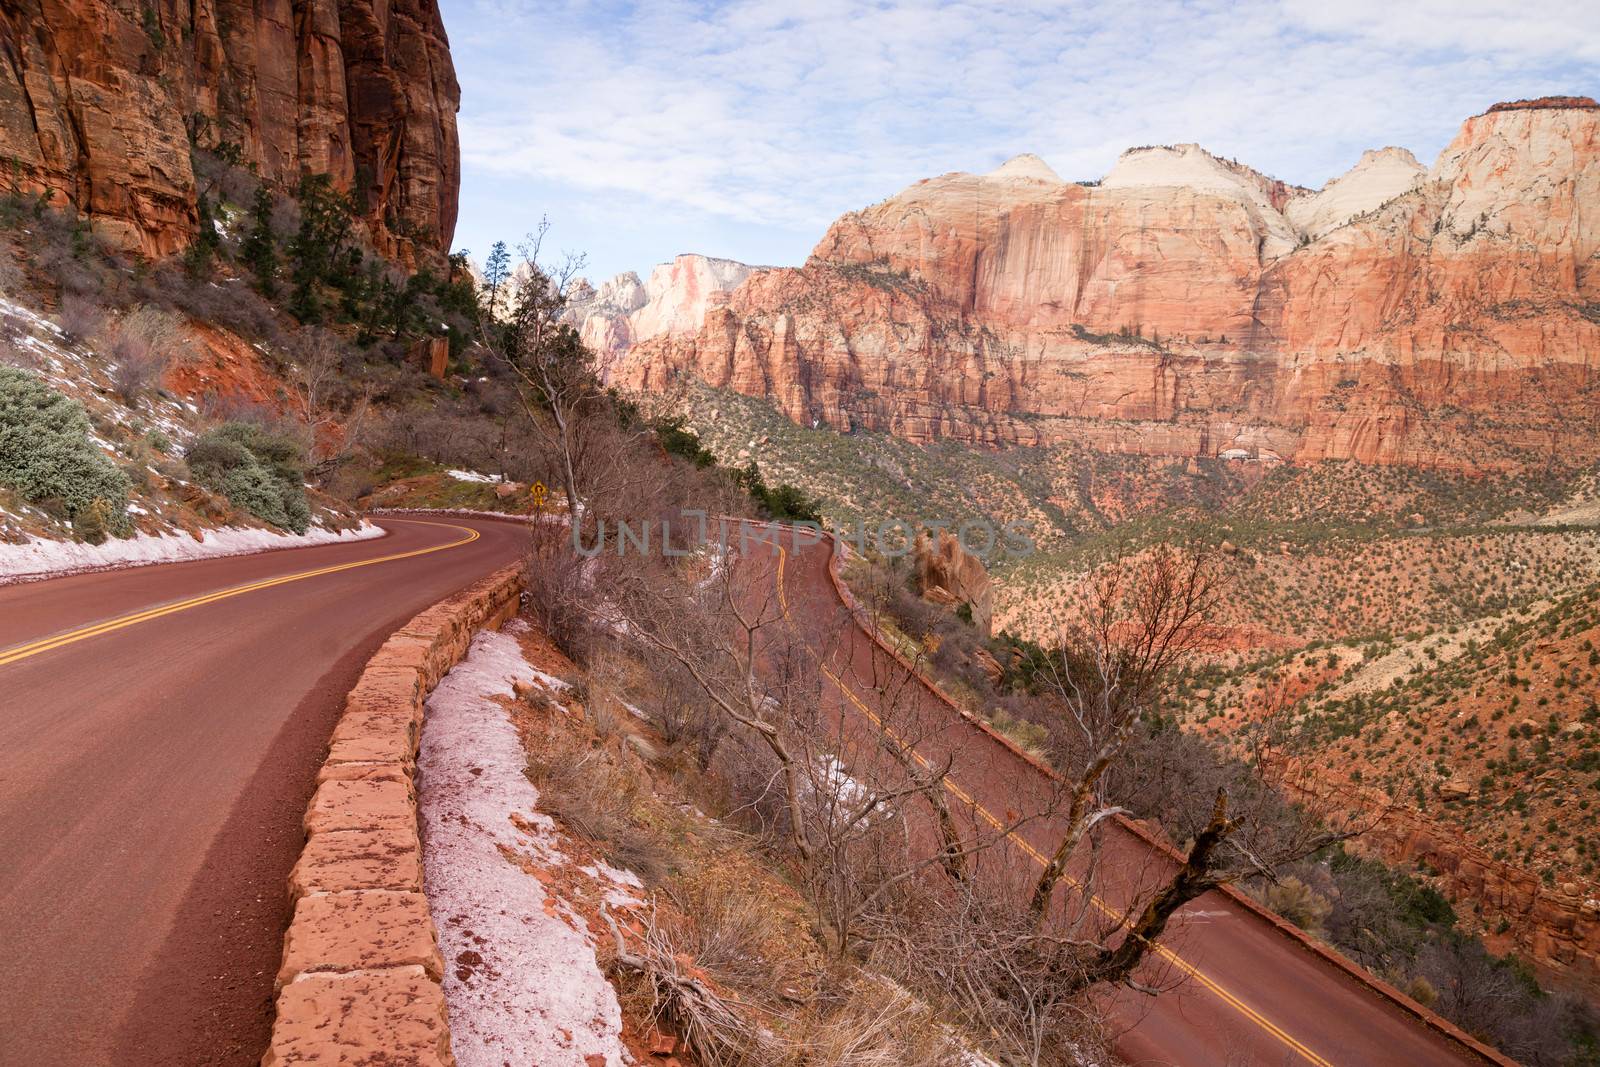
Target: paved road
(153, 775)
(1245, 992)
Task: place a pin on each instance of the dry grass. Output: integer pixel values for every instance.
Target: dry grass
(595, 787)
(728, 958)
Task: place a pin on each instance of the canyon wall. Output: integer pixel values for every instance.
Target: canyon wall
(1555, 927)
(100, 101)
(673, 303)
(1186, 305)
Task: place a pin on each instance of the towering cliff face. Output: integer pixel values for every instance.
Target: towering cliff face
(1187, 305)
(624, 312)
(100, 100)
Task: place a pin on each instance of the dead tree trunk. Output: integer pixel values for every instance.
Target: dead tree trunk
(1196, 876)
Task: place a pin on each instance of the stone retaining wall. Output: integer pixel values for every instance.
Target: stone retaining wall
(360, 978)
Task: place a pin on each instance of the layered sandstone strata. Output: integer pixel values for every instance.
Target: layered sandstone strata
(624, 312)
(1186, 305)
(100, 103)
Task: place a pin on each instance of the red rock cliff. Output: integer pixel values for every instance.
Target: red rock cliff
(99, 100)
(1186, 305)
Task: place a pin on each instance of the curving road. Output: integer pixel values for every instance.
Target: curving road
(1242, 990)
(160, 729)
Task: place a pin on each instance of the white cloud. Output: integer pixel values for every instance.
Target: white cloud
(766, 122)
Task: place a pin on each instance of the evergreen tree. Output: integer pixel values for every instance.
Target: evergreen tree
(198, 258)
(317, 252)
(260, 248)
(496, 271)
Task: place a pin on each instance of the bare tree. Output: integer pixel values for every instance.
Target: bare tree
(144, 343)
(1141, 619)
(320, 399)
(967, 949)
(555, 375)
(860, 808)
(81, 317)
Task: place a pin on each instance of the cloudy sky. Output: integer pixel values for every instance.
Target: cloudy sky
(741, 129)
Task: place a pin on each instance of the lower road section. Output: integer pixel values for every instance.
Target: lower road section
(1238, 989)
(160, 728)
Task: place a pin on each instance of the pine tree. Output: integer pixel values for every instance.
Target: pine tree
(260, 248)
(496, 269)
(198, 258)
(316, 252)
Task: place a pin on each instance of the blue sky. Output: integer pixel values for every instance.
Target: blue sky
(741, 129)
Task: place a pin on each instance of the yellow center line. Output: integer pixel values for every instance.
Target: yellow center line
(1038, 857)
(83, 633)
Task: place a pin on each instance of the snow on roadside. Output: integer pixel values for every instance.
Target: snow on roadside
(41, 558)
(521, 978)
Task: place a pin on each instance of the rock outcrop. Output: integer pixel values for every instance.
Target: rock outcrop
(624, 312)
(100, 104)
(950, 575)
(1189, 306)
(1381, 175)
(1555, 927)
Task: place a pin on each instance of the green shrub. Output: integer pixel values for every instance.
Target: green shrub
(46, 455)
(258, 470)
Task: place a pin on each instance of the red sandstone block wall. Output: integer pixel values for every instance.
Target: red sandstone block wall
(360, 979)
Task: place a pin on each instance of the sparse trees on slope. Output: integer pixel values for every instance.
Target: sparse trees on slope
(555, 374)
(1140, 620)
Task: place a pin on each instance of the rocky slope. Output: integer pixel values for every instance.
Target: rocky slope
(1484, 735)
(100, 102)
(1187, 305)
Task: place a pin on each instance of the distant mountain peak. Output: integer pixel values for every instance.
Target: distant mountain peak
(1026, 166)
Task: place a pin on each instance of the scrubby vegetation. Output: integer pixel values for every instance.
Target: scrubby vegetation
(205, 326)
(46, 454)
(1396, 924)
(1409, 626)
(258, 470)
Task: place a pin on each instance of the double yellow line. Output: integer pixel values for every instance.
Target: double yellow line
(1162, 951)
(122, 622)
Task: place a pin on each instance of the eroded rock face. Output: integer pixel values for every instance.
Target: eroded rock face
(950, 575)
(624, 312)
(1380, 176)
(1555, 927)
(1189, 306)
(99, 102)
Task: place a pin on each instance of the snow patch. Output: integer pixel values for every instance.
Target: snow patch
(549, 681)
(522, 981)
(474, 476)
(40, 558)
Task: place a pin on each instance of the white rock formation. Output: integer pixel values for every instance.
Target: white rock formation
(1188, 166)
(1381, 175)
(1026, 167)
(623, 312)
